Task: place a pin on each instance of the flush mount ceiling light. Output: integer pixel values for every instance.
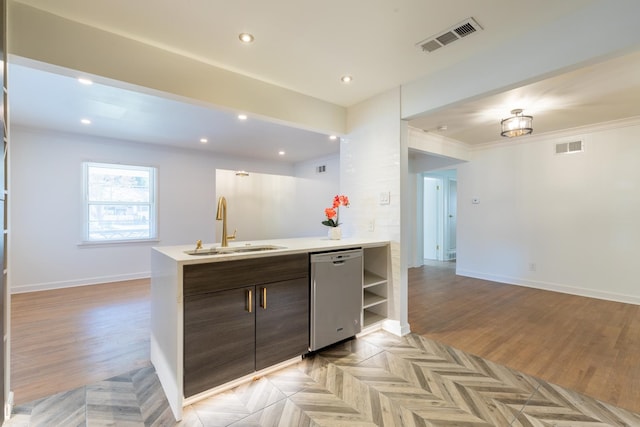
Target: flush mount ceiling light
(281, 153)
(346, 79)
(246, 38)
(516, 125)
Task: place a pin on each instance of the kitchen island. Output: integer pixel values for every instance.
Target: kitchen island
(222, 318)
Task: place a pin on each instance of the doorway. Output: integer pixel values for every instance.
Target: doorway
(439, 215)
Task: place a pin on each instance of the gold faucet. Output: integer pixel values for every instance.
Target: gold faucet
(222, 215)
(198, 244)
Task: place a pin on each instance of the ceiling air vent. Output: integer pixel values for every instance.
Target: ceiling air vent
(569, 147)
(458, 31)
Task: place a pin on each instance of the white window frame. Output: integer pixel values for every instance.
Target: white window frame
(86, 203)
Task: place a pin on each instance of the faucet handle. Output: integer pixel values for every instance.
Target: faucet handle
(198, 244)
(233, 236)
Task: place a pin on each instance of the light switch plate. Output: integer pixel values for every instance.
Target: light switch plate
(385, 198)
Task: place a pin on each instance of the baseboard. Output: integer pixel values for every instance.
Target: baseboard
(395, 327)
(555, 287)
(19, 289)
(8, 407)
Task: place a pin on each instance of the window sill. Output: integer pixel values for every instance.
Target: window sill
(117, 243)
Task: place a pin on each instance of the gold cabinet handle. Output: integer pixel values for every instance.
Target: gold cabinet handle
(249, 301)
(263, 303)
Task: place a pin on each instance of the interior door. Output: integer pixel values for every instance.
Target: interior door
(451, 219)
(431, 220)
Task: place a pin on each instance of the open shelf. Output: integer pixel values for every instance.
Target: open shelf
(372, 279)
(371, 299)
(370, 318)
(374, 285)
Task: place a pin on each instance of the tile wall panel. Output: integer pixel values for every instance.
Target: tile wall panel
(370, 162)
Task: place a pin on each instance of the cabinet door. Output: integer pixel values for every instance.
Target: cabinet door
(282, 324)
(219, 338)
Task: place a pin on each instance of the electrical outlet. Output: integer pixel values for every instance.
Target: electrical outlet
(385, 198)
(372, 225)
(532, 266)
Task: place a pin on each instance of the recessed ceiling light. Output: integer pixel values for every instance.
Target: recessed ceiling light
(246, 38)
(85, 81)
(203, 140)
(333, 137)
(281, 153)
(242, 116)
(346, 79)
(85, 121)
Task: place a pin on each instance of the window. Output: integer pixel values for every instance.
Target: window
(119, 203)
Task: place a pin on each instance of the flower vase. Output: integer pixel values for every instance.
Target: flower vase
(335, 233)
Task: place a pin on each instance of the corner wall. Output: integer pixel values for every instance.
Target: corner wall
(373, 160)
(566, 223)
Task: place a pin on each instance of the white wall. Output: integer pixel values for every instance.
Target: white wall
(574, 216)
(373, 160)
(267, 206)
(45, 211)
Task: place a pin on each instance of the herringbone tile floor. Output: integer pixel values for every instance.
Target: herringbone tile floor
(376, 380)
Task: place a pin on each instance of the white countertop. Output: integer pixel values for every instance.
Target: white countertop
(289, 246)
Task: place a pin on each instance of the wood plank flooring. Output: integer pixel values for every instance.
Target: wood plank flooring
(67, 338)
(74, 337)
(587, 345)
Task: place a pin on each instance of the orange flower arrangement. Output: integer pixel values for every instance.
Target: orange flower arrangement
(333, 213)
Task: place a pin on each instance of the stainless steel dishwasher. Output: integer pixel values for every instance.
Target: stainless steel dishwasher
(336, 296)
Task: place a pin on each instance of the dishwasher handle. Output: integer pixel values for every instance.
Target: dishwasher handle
(337, 257)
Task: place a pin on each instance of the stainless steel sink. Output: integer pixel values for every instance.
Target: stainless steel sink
(233, 250)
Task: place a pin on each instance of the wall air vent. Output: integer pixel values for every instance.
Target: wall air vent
(569, 147)
(458, 31)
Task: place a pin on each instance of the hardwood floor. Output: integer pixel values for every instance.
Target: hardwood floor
(587, 345)
(67, 338)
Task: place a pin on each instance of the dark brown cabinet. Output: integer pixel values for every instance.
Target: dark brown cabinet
(242, 316)
(282, 321)
(218, 339)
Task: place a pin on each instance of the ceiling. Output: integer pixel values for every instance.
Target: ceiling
(307, 47)
(598, 93)
(45, 100)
